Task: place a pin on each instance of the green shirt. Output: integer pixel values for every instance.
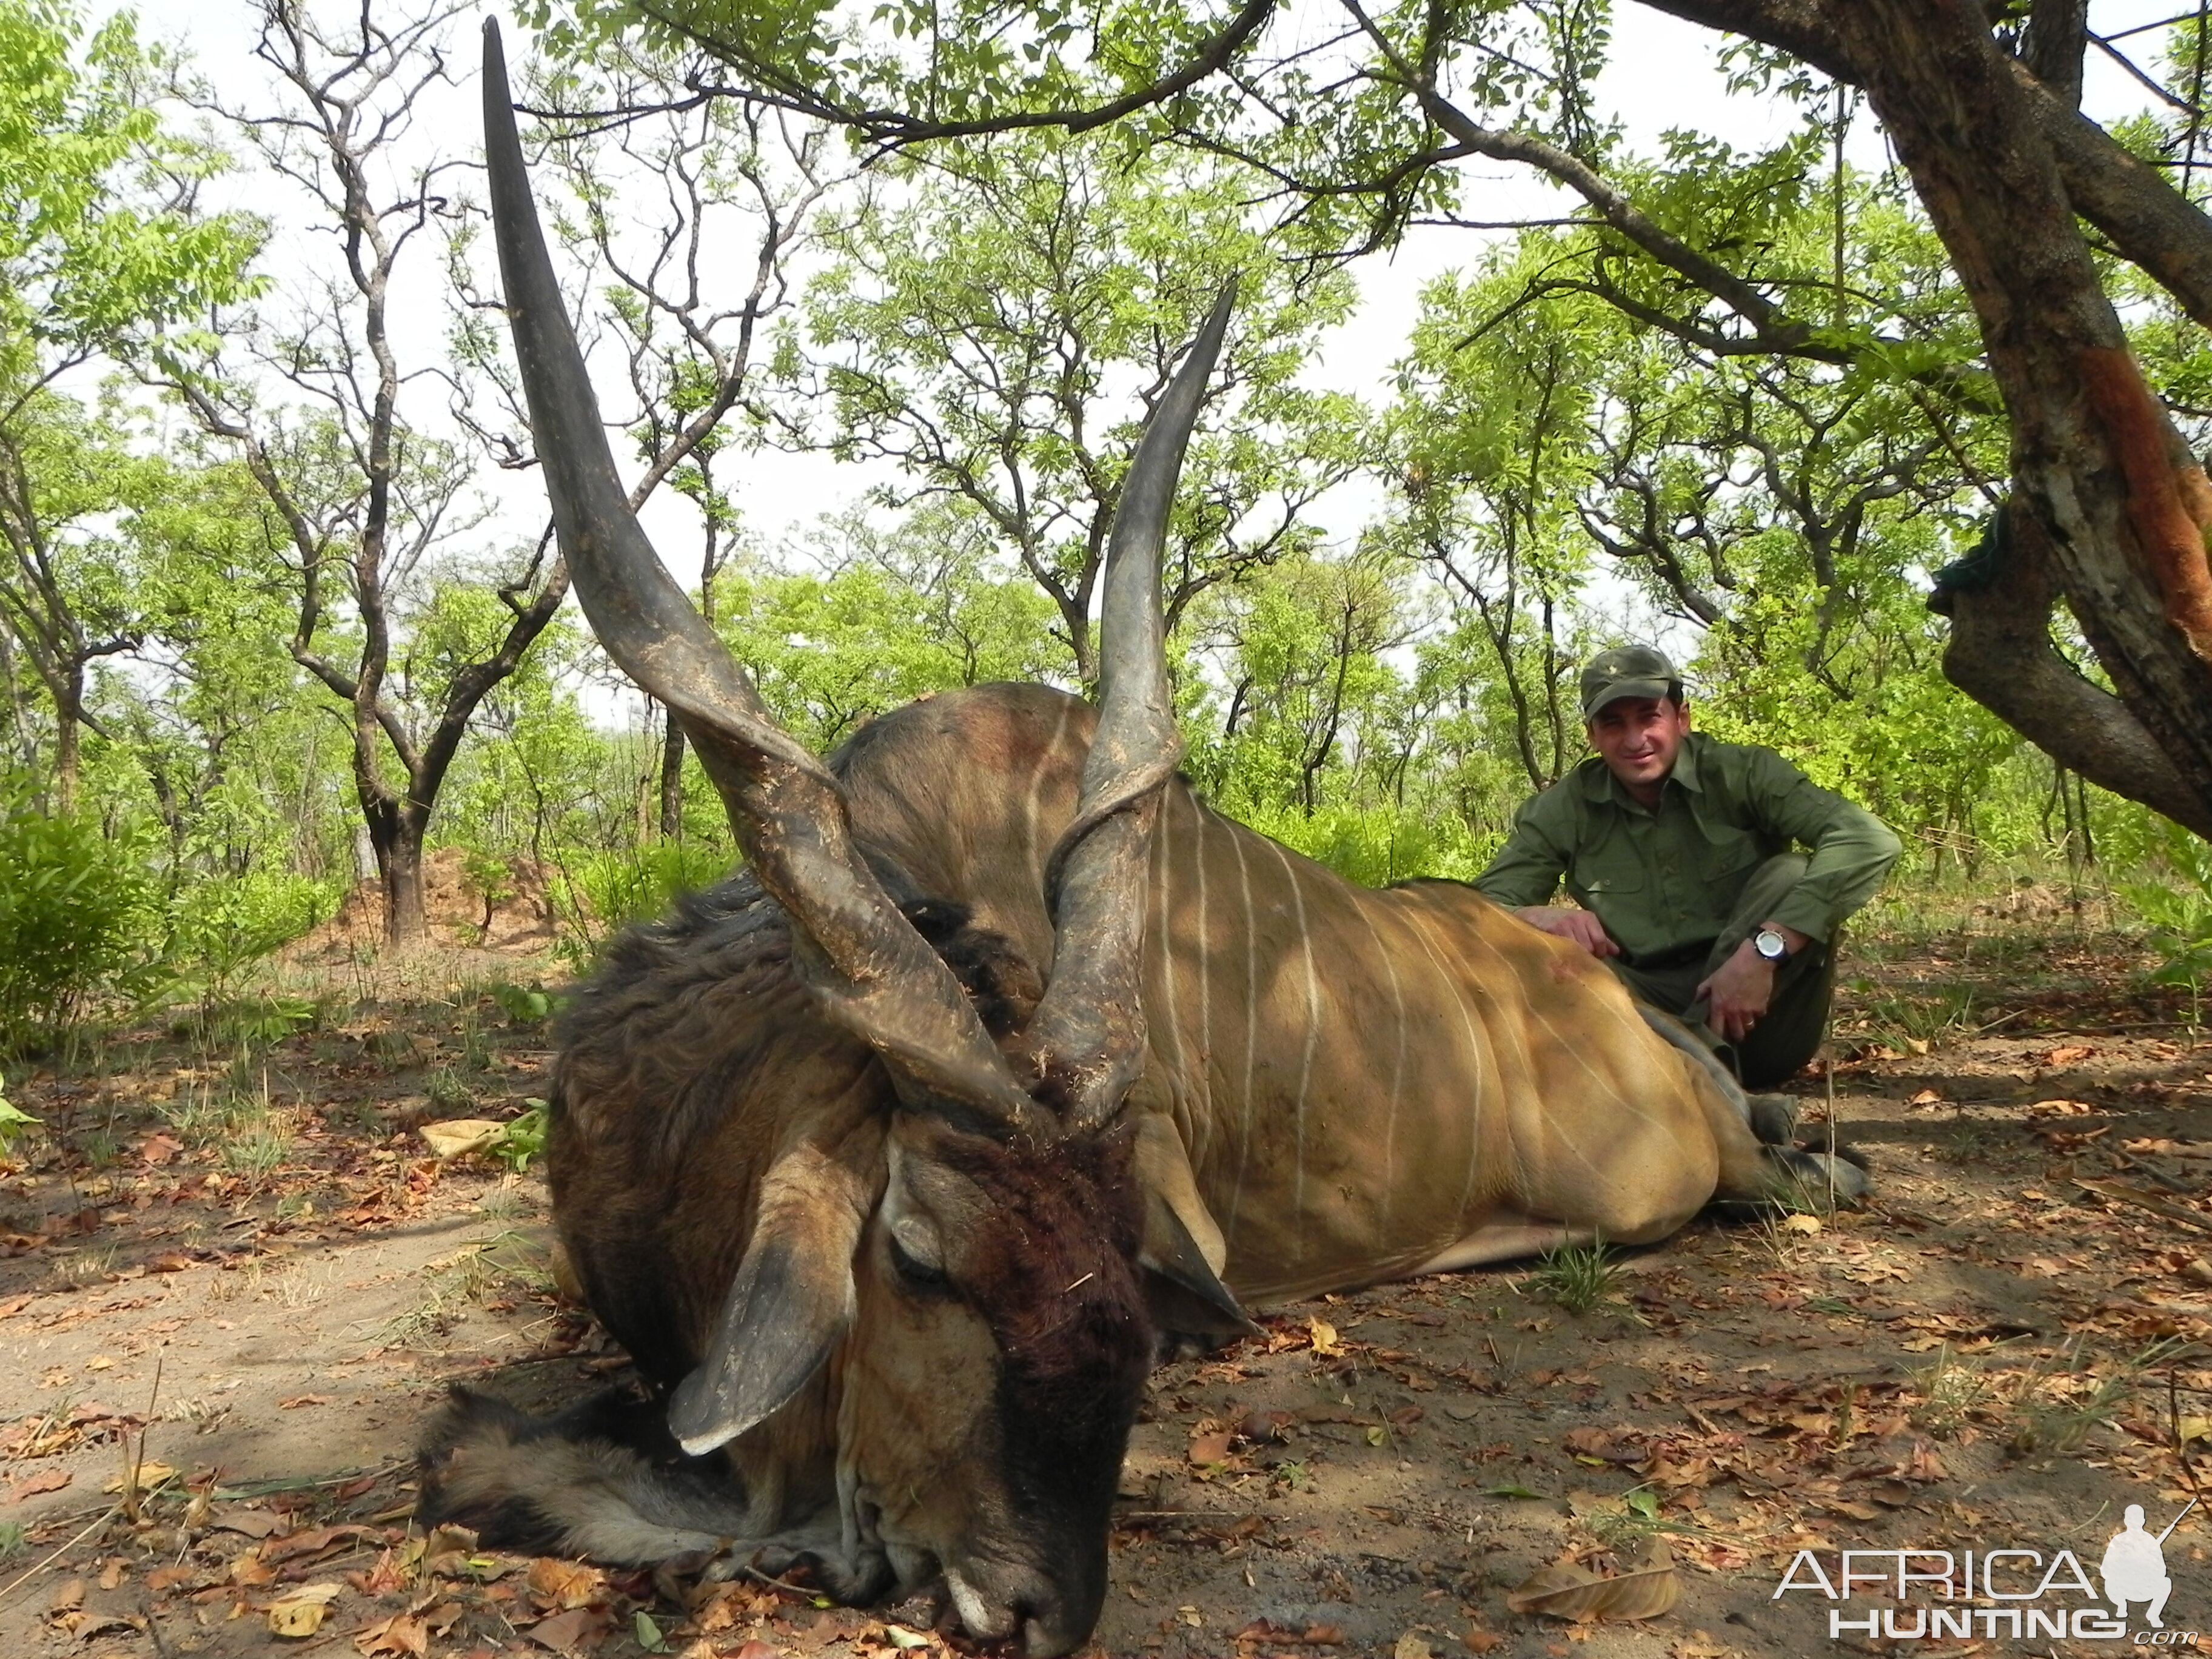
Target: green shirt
(1664, 881)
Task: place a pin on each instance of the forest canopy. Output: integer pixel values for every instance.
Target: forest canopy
(272, 621)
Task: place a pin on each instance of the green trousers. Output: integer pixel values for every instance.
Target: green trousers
(1797, 1020)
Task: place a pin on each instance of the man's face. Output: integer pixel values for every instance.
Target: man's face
(1639, 738)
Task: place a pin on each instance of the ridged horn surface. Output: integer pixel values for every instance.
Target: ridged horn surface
(1088, 1034)
(876, 975)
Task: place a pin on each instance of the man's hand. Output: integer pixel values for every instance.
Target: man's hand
(1582, 926)
(1739, 992)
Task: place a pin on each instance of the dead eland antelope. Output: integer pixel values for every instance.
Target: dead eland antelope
(887, 1159)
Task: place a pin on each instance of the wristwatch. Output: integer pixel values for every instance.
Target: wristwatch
(1771, 946)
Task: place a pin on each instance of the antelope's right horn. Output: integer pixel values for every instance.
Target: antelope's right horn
(1088, 1034)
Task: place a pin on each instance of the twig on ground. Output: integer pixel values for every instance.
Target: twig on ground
(154, 1628)
(2163, 1179)
(754, 1573)
(29, 1573)
(2120, 1192)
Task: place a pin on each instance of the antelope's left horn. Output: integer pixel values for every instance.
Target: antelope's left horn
(877, 975)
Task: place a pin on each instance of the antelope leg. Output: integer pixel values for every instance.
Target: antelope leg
(1504, 1241)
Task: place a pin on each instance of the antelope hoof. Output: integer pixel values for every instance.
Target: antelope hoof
(1838, 1178)
(1773, 1118)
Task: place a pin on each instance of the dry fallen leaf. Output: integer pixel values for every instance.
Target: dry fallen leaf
(578, 1631)
(1209, 1446)
(296, 1618)
(402, 1635)
(84, 1625)
(254, 1523)
(565, 1584)
(45, 1481)
(1646, 1587)
(1482, 1641)
(150, 1474)
(460, 1135)
(314, 1542)
(1412, 1645)
(1851, 1508)
(1800, 1221)
(1323, 1335)
(303, 1610)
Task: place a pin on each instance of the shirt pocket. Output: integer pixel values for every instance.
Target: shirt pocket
(1729, 853)
(1613, 875)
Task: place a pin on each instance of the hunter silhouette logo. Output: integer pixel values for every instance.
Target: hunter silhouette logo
(2134, 1567)
(1920, 1594)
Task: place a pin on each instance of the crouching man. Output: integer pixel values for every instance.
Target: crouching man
(1678, 849)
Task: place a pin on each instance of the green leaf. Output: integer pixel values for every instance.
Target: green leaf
(12, 1123)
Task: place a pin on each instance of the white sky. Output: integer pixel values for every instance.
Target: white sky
(1662, 73)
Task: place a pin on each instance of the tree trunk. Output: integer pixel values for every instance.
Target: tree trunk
(68, 735)
(399, 863)
(2104, 489)
(671, 783)
(2090, 448)
(2000, 655)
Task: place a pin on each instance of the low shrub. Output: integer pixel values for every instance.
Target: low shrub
(2180, 912)
(599, 894)
(75, 920)
(221, 926)
(13, 1121)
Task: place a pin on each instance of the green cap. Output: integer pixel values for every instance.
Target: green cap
(1627, 670)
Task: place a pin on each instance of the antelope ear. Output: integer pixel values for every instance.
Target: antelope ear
(1187, 1296)
(1183, 1250)
(791, 1304)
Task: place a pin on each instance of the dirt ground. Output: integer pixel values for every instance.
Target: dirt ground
(233, 1282)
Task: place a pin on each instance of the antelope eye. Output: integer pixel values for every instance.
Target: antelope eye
(915, 1272)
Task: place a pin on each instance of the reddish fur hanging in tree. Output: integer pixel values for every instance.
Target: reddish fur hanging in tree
(2170, 508)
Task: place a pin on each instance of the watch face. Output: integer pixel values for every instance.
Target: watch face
(1769, 944)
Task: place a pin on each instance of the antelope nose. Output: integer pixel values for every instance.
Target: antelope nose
(1060, 1619)
(1050, 1636)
